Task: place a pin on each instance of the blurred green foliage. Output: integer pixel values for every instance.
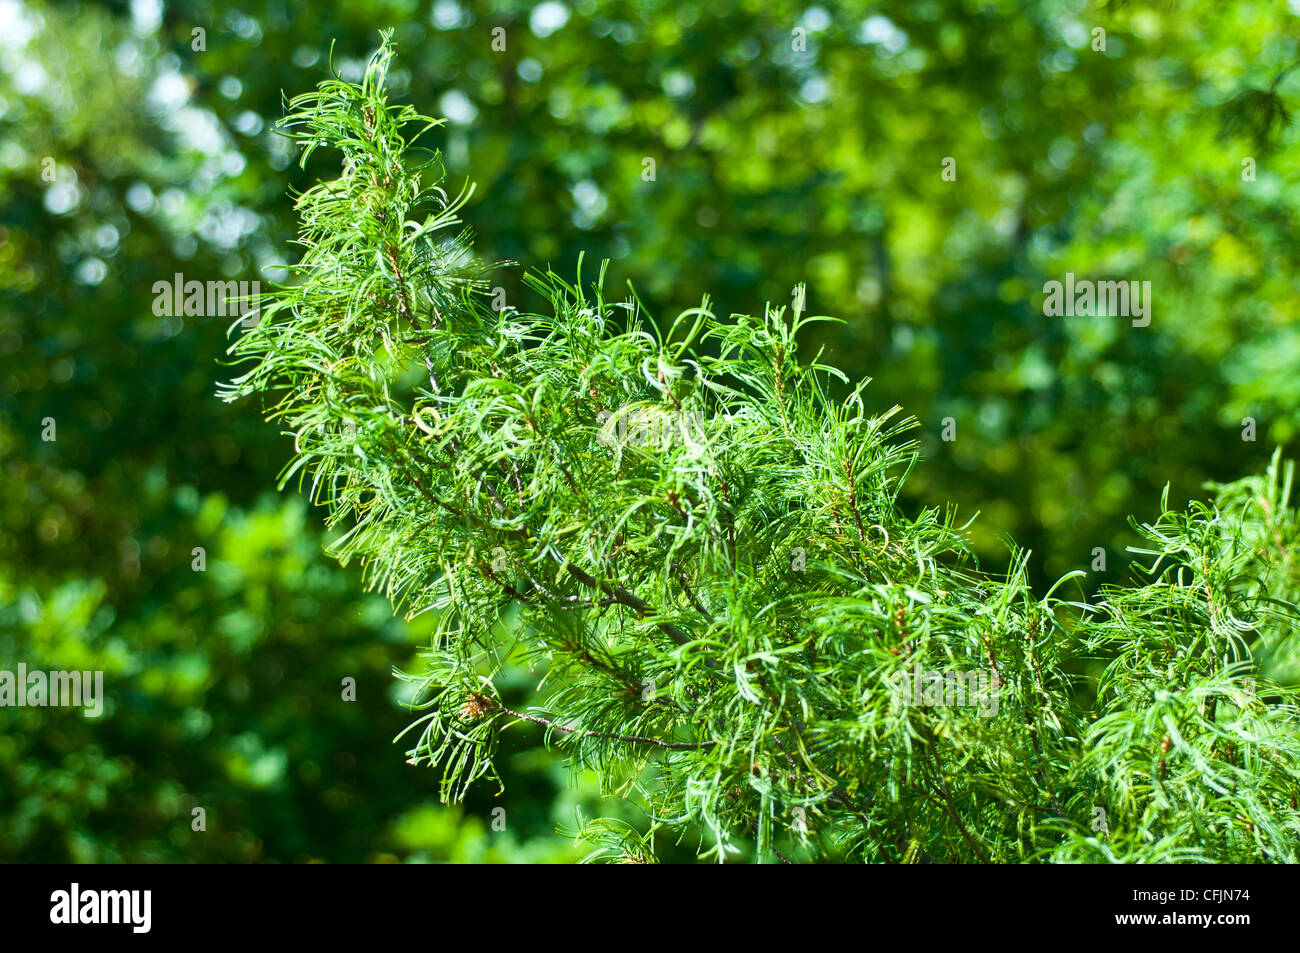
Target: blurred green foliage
(790, 142)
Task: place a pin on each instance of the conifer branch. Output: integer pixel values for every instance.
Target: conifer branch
(723, 512)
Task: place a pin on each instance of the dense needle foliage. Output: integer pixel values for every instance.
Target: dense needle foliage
(693, 538)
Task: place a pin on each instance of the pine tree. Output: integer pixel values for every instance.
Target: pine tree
(695, 537)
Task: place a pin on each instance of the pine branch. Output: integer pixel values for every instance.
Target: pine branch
(762, 628)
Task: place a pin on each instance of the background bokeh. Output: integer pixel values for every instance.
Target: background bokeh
(791, 142)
